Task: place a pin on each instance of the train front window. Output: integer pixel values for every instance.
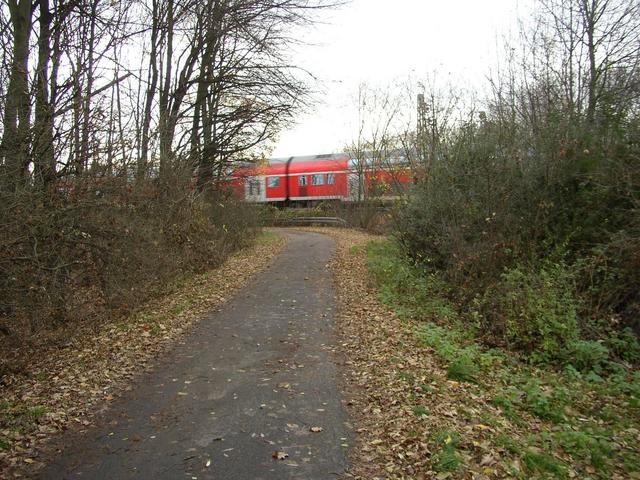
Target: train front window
(317, 179)
(331, 178)
(273, 182)
(302, 180)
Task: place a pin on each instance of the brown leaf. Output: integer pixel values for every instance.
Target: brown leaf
(278, 455)
(487, 460)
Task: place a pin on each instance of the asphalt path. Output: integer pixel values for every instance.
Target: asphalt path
(253, 381)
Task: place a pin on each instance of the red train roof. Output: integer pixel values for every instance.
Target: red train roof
(298, 165)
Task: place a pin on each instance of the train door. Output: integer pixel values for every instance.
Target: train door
(255, 189)
(303, 181)
(354, 186)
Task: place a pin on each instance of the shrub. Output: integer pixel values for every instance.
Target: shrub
(414, 292)
(106, 249)
(501, 192)
(624, 345)
(587, 355)
(538, 310)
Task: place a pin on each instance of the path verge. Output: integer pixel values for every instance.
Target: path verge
(426, 402)
(65, 387)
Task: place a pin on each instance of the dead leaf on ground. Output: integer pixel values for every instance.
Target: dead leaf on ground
(278, 455)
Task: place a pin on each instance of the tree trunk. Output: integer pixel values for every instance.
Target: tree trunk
(43, 156)
(15, 140)
(150, 94)
(164, 127)
(589, 15)
(86, 104)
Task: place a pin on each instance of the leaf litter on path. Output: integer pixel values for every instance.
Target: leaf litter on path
(66, 387)
(397, 393)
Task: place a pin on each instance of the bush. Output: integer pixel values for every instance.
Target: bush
(513, 188)
(537, 309)
(624, 345)
(415, 293)
(105, 248)
(587, 355)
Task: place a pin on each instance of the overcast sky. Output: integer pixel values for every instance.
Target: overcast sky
(379, 41)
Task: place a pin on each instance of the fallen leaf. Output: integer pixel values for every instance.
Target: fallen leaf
(278, 455)
(487, 460)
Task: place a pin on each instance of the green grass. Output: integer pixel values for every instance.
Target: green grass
(426, 388)
(7, 412)
(509, 444)
(540, 463)
(180, 307)
(463, 370)
(591, 447)
(267, 237)
(446, 458)
(420, 411)
(585, 408)
(4, 444)
(35, 413)
(18, 419)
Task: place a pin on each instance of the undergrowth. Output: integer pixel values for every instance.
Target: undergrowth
(583, 400)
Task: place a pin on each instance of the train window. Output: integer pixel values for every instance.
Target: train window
(317, 179)
(273, 182)
(302, 180)
(331, 178)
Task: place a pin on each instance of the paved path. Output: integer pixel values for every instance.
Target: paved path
(249, 380)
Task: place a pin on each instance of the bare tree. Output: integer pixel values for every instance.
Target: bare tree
(17, 114)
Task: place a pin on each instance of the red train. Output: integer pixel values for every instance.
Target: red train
(319, 177)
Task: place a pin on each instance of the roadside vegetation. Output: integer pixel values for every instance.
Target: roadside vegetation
(119, 120)
(527, 217)
(51, 386)
(523, 224)
(515, 259)
(579, 415)
(77, 261)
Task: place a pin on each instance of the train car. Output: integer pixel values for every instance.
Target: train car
(313, 178)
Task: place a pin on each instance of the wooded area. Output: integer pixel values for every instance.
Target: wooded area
(493, 333)
(117, 120)
(525, 213)
(515, 262)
